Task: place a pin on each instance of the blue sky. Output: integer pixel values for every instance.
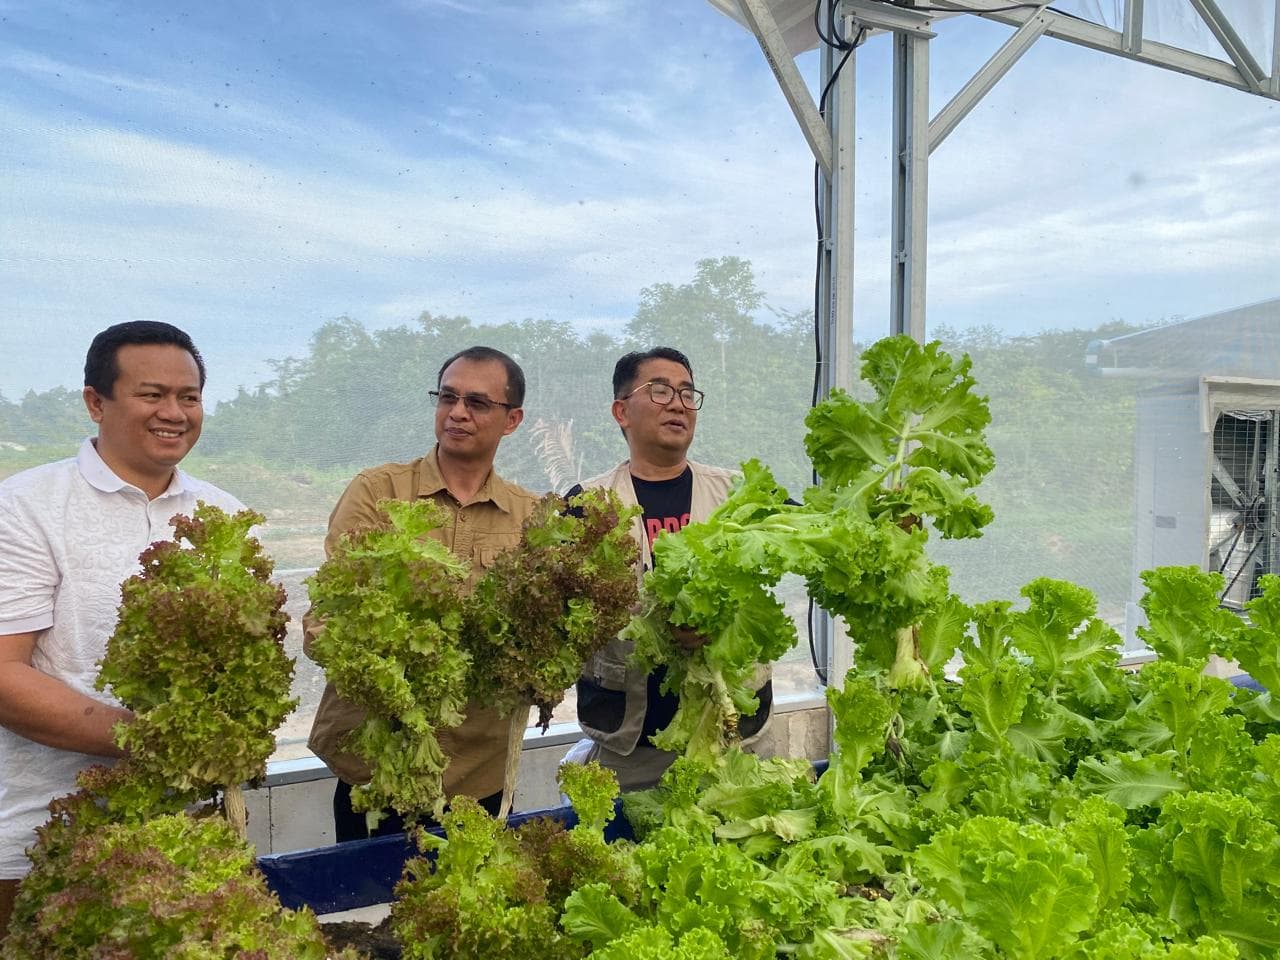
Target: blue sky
(249, 171)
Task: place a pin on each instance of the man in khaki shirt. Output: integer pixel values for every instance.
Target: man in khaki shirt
(479, 393)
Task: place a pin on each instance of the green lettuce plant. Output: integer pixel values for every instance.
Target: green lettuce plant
(390, 598)
(543, 608)
(403, 639)
(198, 656)
(171, 886)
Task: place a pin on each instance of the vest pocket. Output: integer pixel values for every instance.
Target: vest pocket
(600, 708)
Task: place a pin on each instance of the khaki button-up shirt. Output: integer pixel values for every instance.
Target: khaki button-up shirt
(477, 532)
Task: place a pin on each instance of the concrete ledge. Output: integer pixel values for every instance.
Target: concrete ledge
(304, 769)
(293, 808)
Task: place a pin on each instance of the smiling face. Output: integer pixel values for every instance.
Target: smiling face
(153, 416)
(468, 437)
(657, 433)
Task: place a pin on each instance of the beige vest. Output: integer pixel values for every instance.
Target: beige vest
(610, 668)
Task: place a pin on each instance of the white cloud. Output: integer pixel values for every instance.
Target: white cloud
(568, 213)
(128, 198)
(448, 6)
(208, 108)
(1137, 184)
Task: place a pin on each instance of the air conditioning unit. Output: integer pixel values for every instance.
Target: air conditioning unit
(1207, 485)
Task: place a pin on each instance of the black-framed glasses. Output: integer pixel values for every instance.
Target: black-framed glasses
(661, 394)
(477, 403)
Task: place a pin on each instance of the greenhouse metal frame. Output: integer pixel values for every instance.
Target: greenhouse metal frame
(786, 28)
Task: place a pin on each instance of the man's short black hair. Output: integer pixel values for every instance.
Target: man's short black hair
(101, 366)
(628, 367)
(515, 376)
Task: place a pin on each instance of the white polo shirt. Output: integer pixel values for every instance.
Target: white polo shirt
(70, 534)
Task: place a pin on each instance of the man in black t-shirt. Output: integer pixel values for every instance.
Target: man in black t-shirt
(656, 405)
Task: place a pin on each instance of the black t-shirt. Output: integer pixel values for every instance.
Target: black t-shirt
(665, 507)
(664, 504)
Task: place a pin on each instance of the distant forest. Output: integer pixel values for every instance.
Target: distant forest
(1062, 487)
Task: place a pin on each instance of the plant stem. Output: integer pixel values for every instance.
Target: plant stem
(515, 746)
(233, 809)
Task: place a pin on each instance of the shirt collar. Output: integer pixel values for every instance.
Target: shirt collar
(494, 489)
(101, 477)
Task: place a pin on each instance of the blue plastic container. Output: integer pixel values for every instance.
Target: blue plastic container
(359, 873)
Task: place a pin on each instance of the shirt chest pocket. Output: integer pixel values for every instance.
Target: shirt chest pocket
(482, 559)
(487, 555)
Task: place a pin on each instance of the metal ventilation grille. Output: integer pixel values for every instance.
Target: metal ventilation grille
(1242, 534)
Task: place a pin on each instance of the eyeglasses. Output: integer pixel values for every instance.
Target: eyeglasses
(661, 394)
(475, 402)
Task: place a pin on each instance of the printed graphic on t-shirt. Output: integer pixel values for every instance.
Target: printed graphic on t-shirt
(656, 525)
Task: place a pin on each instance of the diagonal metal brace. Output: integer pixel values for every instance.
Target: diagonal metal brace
(1231, 42)
(1097, 37)
(1275, 56)
(986, 78)
(783, 65)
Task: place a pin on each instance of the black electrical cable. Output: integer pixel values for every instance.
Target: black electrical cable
(837, 41)
(835, 74)
(817, 200)
(817, 25)
(817, 382)
(1011, 7)
(813, 651)
(834, 38)
(817, 297)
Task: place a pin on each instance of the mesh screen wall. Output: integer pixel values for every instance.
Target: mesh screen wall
(332, 199)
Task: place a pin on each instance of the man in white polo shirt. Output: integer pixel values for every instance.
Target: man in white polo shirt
(70, 533)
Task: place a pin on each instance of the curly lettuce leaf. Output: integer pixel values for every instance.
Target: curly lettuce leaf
(1097, 829)
(543, 608)
(861, 716)
(1184, 699)
(1185, 620)
(1065, 640)
(995, 698)
(592, 791)
(1022, 886)
(484, 898)
(1130, 780)
(594, 915)
(198, 655)
(1256, 646)
(938, 940)
(691, 883)
(1211, 864)
(917, 448)
(170, 886)
(390, 598)
(656, 943)
(716, 578)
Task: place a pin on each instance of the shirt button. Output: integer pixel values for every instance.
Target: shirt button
(462, 518)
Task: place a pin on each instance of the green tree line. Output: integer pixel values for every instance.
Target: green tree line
(1062, 487)
(360, 396)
